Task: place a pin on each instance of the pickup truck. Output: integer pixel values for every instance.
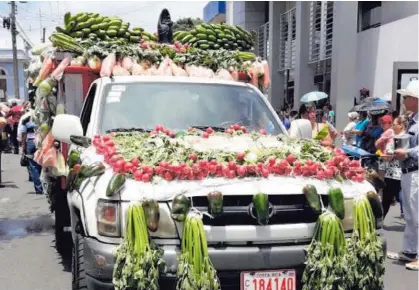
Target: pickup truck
(238, 246)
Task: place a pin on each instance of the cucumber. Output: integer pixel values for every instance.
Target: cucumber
(103, 25)
(181, 35)
(220, 41)
(94, 27)
(217, 46)
(127, 34)
(101, 32)
(261, 208)
(201, 36)
(81, 25)
(212, 38)
(145, 37)
(111, 32)
(98, 20)
(204, 46)
(336, 202)
(313, 198)
(138, 29)
(192, 40)
(152, 214)
(121, 32)
(116, 23)
(206, 26)
(376, 205)
(74, 17)
(134, 38)
(115, 184)
(193, 32)
(202, 41)
(92, 36)
(67, 18)
(82, 18)
(85, 31)
(77, 34)
(226, 46)
(210, 32)
(135, 33)
(113, 27)
(200, 29)
(229, 37)
(218, 31)
(186, 38)
(60, 29)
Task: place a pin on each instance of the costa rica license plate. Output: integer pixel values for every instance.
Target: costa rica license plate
(268, 280)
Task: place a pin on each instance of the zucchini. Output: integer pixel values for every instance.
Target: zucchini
(103, 25)
(212, 38)
(94, 27)
(376, 205)
(71, 26)
(135, 38)
(82, 18)
(60, 29)
(113, 27)
(111, 32)
(200, 29)
(261, 208)
(336, 202)
(86, 31)
(186, 38)
(77, 34)
(115, 184)
(313, 198)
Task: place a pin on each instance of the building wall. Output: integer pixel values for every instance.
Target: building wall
(247, 14)
(395, 10)
(379, 48)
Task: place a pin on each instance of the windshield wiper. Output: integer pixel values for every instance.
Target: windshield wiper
(203, 128)
(119, 130)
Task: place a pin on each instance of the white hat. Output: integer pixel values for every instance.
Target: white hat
(353, 115)
(412, 89)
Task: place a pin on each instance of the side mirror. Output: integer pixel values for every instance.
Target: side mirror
(65, 126)
(301, 129)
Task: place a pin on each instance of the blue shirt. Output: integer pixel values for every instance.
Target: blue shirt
(29, 128)
(287, 123)
(360, 126)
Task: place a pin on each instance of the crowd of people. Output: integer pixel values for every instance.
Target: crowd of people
(18, 132)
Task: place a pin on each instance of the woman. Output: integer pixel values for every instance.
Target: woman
(392, 170)
(327, 141)
(348, 137)
(29, 148)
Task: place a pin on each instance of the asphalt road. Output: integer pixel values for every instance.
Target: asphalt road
(29, 260)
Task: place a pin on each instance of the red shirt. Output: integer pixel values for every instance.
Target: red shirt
(16, 113)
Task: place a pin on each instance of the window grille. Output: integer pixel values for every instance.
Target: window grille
(287, 36)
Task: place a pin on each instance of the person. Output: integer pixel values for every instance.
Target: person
(329, 114)
(303, 112)
(360, 127)
(29, 148)
(28, 113)
(347, 135)
(409, 180)
(14, 115)
(3, 123)
(287, 122)
(391, 168)
(371, 134)
(327, 141)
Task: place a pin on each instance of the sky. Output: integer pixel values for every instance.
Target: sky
(33, 15)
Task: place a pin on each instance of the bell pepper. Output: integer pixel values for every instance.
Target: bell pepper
(336, 202)
(215, 203)
(261, 207)
(73, 158)
(313, 198)
(115, 184)
(152, 214)
(180, 207)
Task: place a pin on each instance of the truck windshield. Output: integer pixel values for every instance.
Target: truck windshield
(179, 106)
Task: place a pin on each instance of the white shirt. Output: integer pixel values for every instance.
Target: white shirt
(348, 137)
(20, 128)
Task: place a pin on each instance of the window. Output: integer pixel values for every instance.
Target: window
(87, 108)
(181, 105)
(369, 15)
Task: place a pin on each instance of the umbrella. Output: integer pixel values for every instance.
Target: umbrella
(372, 106)
(313, 97)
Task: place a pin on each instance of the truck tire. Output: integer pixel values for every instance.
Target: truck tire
(77, 264)
(63, 240)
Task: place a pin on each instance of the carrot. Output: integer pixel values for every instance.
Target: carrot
(45, 70)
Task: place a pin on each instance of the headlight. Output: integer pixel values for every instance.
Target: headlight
(108, 218)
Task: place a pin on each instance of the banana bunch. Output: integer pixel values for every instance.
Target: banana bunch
(216, 36)
(96, 27)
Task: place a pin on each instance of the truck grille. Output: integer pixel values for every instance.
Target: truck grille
(288, 209)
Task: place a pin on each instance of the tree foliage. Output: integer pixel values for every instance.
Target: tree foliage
(186, 24)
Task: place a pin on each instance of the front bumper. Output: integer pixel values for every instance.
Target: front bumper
(228, 260)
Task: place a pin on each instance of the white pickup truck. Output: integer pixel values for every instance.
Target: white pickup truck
(238, 246)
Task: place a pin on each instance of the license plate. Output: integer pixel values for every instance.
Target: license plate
(268, 280)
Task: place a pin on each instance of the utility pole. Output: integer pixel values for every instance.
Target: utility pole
(44, 30)
(15, 62)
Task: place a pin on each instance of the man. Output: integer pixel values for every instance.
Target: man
(14, 115)
(329, 114)
(360, 127)
(409, 180)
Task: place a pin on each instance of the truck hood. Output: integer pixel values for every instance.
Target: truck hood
(163, 190)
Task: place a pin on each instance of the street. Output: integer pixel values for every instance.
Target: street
(30, 261)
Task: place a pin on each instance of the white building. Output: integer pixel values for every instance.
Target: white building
(337, 47)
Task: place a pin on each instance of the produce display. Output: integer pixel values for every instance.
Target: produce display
(216, 36)
(195, 270)
(199, 154)
(97, 27)
(138, 261)
(334, 262)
